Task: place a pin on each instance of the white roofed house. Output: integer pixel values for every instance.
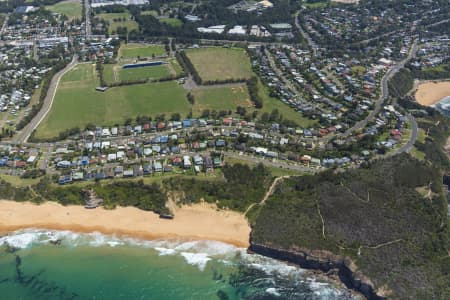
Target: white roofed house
(238, 30)
(187, 164)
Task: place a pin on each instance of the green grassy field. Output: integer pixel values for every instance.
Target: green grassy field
(269, 104)
(113, 25)
(70, 8)
(175, 66)
(217, 63)
(138, 50)
(77, 103)
(144, 73)
(115, 73)
(149, 13)
(223, 98)
(108, 73)
(148, 72)
(171, 21)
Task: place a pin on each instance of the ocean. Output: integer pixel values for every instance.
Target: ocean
(444, 106)
(42, 264)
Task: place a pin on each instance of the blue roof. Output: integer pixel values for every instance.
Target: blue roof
(220, 143)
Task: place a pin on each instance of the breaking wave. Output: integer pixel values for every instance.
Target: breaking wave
(273, 281)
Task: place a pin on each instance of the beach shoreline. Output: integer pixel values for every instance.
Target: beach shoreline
(431, 92)
(196, 222)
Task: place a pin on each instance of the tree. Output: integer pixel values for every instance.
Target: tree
(205, 113)
(175, 117)
(191, 98)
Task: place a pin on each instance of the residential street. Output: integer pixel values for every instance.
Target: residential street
(23, 135)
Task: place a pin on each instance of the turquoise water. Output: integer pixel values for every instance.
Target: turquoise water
(444, 106)
(37, 264)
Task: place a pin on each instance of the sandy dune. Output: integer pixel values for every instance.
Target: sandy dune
(196, 222)
(430, 93)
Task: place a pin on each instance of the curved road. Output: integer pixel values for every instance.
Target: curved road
(23, 135)
(414, 132)
(384, 92)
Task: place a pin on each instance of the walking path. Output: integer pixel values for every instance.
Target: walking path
(269, 192)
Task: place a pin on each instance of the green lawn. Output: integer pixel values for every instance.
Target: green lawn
(114, 23)
(269, 104)
(108, 73)
(77, 103)
(171, 21)
(175, 66)
(139, 50)
(154, 72)
(421, 135)
(216, 63)
(17, 181)
(316, 5)
(149, 13)
(359, 70)
(115, 73)
(130, 25)
(224, 63)
(276, 172)
(220, 99)
(70, 8)
(437, 69)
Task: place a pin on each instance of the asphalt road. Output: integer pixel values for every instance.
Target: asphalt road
(305, 35)
(415, 130)
(4, 25)
(23, 135)
(87, 7)
(384, 92)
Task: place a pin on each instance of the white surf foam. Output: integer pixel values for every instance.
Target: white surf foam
(196, 259)
(165, 251)
(196, 253)
(270, 266)
(273, 292)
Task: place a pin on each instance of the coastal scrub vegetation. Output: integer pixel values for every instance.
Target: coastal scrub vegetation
(433, 73)
(242, 186)
(147, 197)
(375, 216)
(401, 83)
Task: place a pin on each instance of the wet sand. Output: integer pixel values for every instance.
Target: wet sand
(197, 222)
(430, 93)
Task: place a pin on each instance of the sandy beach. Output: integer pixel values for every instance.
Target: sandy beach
(430, 93)
(196, 222)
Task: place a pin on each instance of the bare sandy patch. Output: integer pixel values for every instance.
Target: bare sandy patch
(430, 93)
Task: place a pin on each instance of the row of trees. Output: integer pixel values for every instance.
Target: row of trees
(186, 63)
(252, 86)
(141, 81)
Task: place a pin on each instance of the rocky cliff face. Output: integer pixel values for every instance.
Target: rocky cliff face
(323, 261)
